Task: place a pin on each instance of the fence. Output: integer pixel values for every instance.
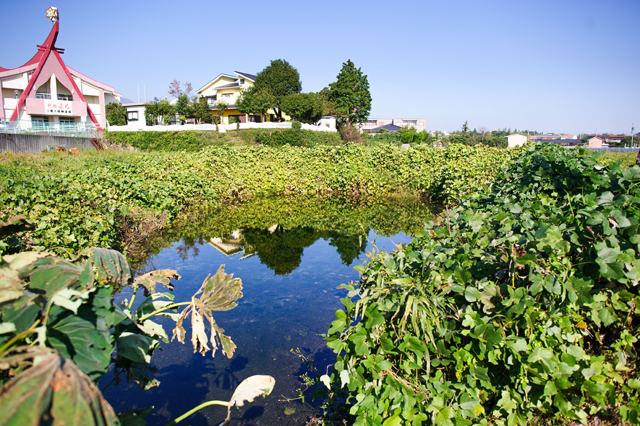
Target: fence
(615, 149)
(223, 127)
(18, 142)
(28, 127)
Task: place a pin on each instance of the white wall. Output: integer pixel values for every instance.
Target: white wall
(223, 127)
(516, 140)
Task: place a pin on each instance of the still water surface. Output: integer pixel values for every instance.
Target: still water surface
(291, 266)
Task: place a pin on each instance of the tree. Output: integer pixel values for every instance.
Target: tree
(304, 107)
(201, 110)
(350, 95)
(176, 89)
(159, 108)
(327, 106)
(182, 107)
(255, 101)
(221, 106)
(116, 114)
(280, 79)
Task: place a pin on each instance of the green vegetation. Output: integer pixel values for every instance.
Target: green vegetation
(280, 80)
(349, 95)
(193, 141)
(521, 307)
(116, 114)
(85, 200)
(338, 219)
(60, 330)
(304, 107)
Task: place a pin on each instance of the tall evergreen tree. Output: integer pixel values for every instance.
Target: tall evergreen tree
(350, 95)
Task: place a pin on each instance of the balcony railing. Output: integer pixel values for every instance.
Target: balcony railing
(79, 130)
(42, 95)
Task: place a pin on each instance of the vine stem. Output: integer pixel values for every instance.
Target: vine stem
(15, 339)
(199, 407)
(171, 306)
(133, 297)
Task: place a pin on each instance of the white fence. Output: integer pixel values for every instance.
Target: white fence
(77, 130)
(322, 127)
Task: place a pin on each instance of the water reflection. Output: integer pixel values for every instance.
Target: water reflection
(281, 249)
(278, 230)
(292, 255)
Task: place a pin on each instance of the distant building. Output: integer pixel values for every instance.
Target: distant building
(594, 142)
(516, 140)
(391, 128)
(565, 142)
(45, 92)
(419, 124)
(551, 136)
(227, 88)
(136, 118)
(606, 138)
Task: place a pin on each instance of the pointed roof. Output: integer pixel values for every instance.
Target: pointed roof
(49, 44)
(209, 84)
(246, 75)
(48, 51)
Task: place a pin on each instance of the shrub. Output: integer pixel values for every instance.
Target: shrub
(523, 303)
(296, 125)
(350, 134)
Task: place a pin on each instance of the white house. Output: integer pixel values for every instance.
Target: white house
(516, 140)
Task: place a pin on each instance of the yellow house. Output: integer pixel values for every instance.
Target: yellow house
(227, 88)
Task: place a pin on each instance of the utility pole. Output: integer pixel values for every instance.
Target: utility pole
(632, 130)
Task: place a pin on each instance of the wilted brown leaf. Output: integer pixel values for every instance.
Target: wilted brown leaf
(250, 388)
(149, 280)
(218, 293)
(53, 391)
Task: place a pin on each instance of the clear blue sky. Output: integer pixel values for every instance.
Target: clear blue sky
(552, 66)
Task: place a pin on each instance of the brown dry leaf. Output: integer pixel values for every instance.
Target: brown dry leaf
(198, 334)
(218, 293)
(53, 391)
(250, 388)
(150, 279)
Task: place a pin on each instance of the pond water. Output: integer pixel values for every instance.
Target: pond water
(292, 255)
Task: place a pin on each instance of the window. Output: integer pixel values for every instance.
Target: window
(132, 115)
(43, 95)
(63, 97)
(38, 121)
(66, 120)
(242, 81)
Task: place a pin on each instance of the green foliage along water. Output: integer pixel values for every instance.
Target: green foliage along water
(522, 306)
(90, 200)
(296, 223)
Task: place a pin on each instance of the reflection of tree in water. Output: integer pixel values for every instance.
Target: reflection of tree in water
(189, 244)
(280, 250)
(349, 247)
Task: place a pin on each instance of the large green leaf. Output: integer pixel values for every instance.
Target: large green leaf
(52, 392)
(85, 337)
(111, 267)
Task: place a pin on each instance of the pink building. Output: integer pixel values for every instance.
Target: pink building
(46, 92)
